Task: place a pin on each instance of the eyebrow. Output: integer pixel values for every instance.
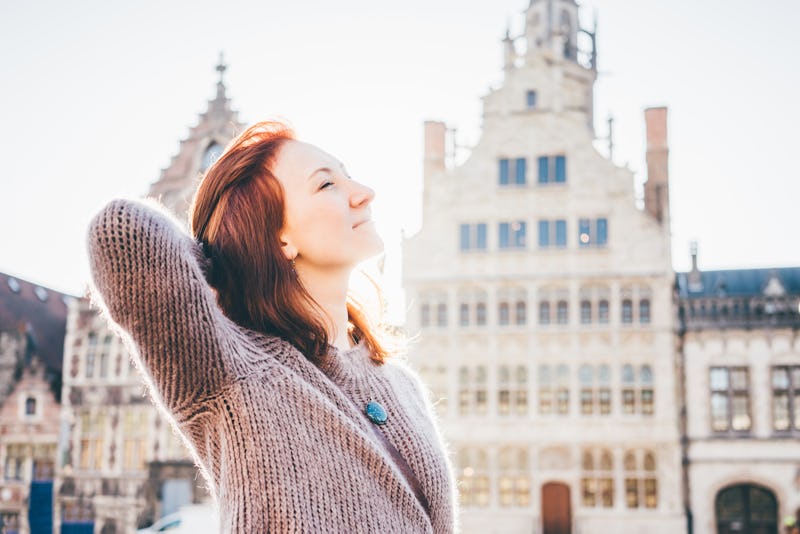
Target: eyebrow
(326, 169)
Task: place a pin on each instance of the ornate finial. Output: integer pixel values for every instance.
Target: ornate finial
(221, 67)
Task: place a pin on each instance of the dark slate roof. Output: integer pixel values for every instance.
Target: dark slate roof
(42, 312)
(738, 282)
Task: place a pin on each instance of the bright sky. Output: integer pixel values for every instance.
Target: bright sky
(98, 94)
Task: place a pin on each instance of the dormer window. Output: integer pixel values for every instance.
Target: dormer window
(30, 406)
(13, 284)
(41, 293)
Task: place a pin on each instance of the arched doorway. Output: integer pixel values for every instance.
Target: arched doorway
(556, 511)
(746, 508)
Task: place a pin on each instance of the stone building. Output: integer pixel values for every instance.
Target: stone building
(122, 467)
(543, 297)
(32, 327)
(740, 352)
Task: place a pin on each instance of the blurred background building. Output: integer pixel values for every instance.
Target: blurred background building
(544, 300)
(122, 467)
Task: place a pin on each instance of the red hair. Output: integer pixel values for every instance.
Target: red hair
(237, 214)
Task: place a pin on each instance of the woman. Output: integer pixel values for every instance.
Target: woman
(285, 392)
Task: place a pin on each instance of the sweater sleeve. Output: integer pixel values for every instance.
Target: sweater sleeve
(147, 276)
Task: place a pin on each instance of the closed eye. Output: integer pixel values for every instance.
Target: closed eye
(324, 185)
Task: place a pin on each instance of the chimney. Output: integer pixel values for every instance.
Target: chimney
(656, 188)
(435, 132)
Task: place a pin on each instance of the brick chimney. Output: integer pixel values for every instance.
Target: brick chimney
(656, 188)
(435, 132)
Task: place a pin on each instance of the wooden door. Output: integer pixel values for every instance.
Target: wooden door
(556, 512)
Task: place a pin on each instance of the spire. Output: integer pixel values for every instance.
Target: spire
(221, 68)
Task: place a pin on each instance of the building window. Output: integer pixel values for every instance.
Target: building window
(521, 312)
(786, 398)
(644, 311)
(530, 99)
(628, 390)
(463, 314)
(602, 311)
(135, 427)
(646, 390)
(520, 165)
(545, 390)
(441, 314)
(91, 354)
(627, 311)
(92, 441)
(473, 480)
(597, 482)
(514, 483)
(544, 312)
(553, 233)
(512, 235)
(604, 392)
(480, 314)
(472, 236)
(552, 169)
(30, 406)
(730, 399)
(586, 379)
(586, 312)
(593, 232)
(425, 315)
(503, 314)
(562, 390)
(641, 488)
(562, 317)
(472, 392)
(503, 171)
(512, 390)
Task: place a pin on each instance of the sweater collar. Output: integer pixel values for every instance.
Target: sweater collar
(348, 365)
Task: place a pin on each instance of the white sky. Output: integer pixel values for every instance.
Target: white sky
(96, 96)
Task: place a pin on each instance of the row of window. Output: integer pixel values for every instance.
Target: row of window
(549, 170)
(598, 478)
(730, 399)
(98, 357)
(515, 312)
(636, 389)
(512, 235)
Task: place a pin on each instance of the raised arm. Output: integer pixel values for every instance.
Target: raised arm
(147, 274)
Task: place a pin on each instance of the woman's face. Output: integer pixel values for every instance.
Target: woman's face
(328, 217)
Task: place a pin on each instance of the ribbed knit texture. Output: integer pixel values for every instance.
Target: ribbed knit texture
(282, 447)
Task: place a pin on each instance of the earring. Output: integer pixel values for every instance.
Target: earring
(293, 269)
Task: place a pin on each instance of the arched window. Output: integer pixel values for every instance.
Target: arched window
(562, 316)
(602, 311)
(473, 481)
(628, 390)
(210, 156)
(644, 311)
(641, 484)
(480, 313)
(463, 314)
(586, 312)
(597, 479)
(503, 314)
(514, 483)
(521, 312)
(627, 311)
(441, 314)
(521, 393)
(544, 312)
(481, 394)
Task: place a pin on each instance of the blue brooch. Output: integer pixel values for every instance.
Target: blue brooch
(376, 413)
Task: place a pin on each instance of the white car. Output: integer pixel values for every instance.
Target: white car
(192, 519)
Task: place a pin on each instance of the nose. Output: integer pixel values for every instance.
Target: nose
(361, 195)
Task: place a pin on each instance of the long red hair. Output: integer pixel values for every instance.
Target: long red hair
(237, 214)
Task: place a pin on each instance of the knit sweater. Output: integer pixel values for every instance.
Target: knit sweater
(280, 440)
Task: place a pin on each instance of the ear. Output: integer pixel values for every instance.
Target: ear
(289, 250)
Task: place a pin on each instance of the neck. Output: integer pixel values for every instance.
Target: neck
(329, 290)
